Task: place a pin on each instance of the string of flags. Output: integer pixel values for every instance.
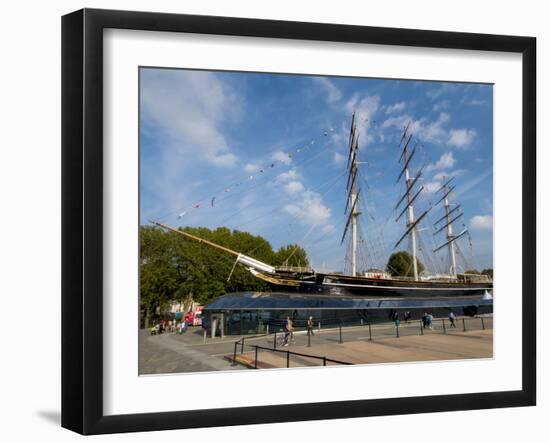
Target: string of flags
(289, 154)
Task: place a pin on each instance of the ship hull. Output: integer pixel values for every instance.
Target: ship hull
(380, 289)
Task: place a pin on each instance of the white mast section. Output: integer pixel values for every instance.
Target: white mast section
(353, 196)
(450, 216)
(450, 237)
(410, 214)
(406, 157)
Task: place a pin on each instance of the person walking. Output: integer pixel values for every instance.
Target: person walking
(430, 320)
(407, 317)
(424, 320)
(310, 326)
(291, 329)
(452, 318)
(286, 327)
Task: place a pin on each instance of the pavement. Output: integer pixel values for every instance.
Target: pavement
(190, 352)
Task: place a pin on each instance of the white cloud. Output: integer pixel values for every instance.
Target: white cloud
(365, 108)
(435, 132)
(333, 93)
(282, 157)
(431, 187)
(482, 222)
(446, 161)
(396, 107)
(294, 187)
(339, 158)
(440, 176)
(224, 160)
(188, 108)
(310, 210)
(328, 229)
(251, 167)
(291, 175)
(440, 106)
(461, 137)
(445, 88)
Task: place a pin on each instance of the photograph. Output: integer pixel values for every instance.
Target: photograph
(295, 220)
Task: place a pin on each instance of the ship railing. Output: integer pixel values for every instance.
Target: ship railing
(322, 360)
(299, 269)
(279, 345)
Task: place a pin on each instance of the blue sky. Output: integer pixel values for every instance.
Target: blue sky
(266, 153)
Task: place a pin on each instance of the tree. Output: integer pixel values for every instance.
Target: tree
(488, 272)
(472, 271)
(291, 255)
(400, 264)
(174, 268)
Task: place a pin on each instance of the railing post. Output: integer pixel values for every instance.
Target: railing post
(235, 355)
(443, 323)
(397, 330)
(421, 328)
(204, 336)
(482, 323)
(361, 322)
(275, 340)
(288, 359)
(319, 327)
(267, 329)
(324, 361)
(308, 338)
(341, 341)
(370, 333)
(242, 345)
(464, 324)
(256, 358)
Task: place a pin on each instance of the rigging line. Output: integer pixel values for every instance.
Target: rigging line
(275, 210)
(266, 167)
(277, 197)
(260, 183)
(298, 244)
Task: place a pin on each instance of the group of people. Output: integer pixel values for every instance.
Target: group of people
(170, 327)
(427, 319)
(288, 328)
(407, 317)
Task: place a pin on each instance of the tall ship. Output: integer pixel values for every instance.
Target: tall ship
(377, 284)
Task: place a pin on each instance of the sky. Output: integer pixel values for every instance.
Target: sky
(267, 153)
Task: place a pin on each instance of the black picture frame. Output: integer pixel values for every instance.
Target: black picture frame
(82, 220)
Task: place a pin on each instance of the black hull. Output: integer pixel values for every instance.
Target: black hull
(380, 289)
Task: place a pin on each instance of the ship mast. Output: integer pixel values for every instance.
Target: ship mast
(449, 216)
(353, 194)
(406, 157)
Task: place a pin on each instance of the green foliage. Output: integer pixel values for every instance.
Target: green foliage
(291, 255)
(488, 272)
(400, 264)
(472, 271)
(175, 268)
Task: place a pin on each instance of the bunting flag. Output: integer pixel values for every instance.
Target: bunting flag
(290, 155)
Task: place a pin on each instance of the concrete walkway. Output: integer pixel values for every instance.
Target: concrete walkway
(429, 347)
(190, 352)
